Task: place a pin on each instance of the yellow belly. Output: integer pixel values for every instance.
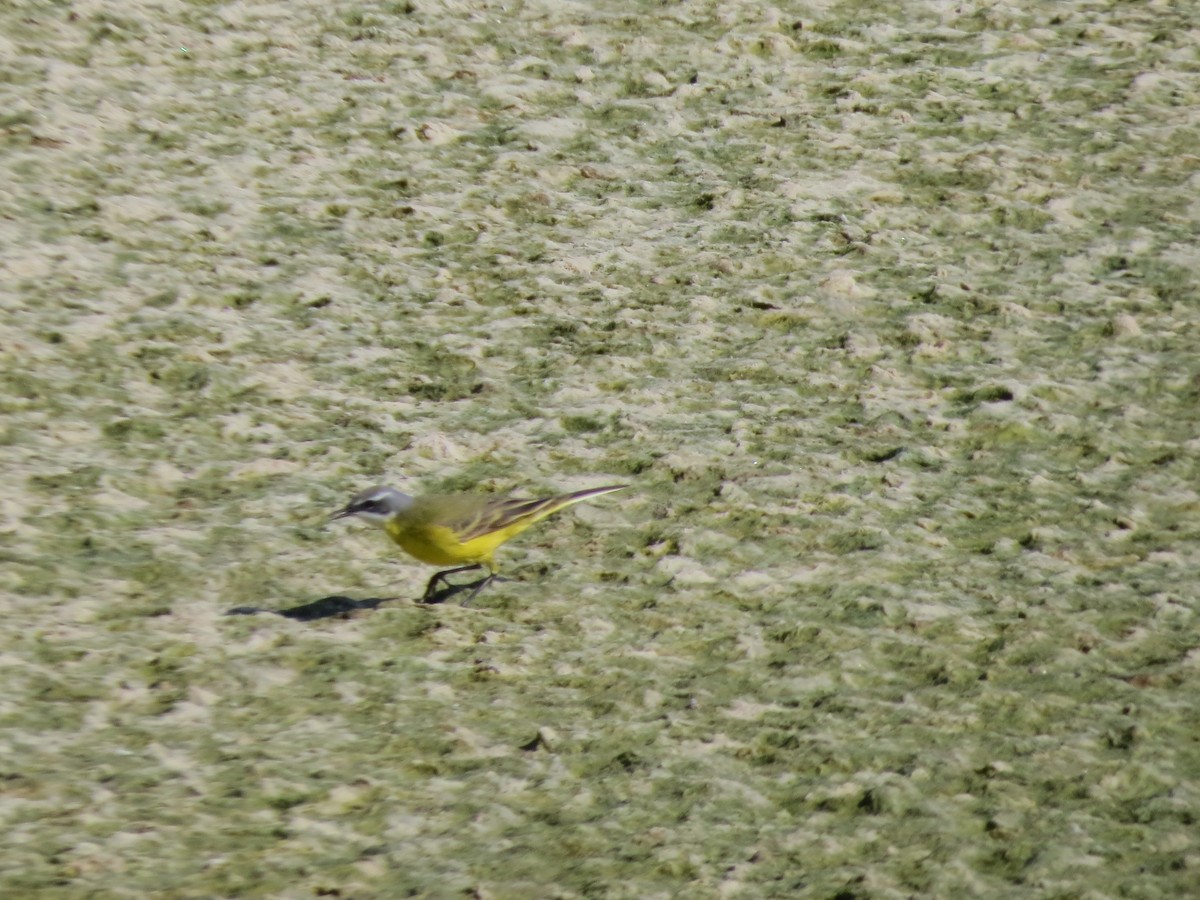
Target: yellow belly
(437, 545)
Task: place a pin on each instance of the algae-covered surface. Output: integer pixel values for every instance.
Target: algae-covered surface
(887, 313)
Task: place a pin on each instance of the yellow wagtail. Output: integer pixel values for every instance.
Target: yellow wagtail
(443, 529)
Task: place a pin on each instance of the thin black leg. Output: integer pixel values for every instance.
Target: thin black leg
(440, 578)
(476, 586)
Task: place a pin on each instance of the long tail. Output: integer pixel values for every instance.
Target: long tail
(505, 513)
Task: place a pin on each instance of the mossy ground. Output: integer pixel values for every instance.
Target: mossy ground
(887, 312)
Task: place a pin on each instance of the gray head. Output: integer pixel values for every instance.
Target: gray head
(377, 504)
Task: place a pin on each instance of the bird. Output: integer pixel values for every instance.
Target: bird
(444, 529)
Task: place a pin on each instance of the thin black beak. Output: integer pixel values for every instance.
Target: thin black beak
(341, 514)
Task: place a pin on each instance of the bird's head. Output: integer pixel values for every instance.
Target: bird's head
(377, 504)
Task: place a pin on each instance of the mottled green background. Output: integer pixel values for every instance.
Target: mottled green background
(888, 312)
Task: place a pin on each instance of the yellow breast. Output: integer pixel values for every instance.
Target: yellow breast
(438, 545)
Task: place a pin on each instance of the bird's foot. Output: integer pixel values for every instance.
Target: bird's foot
(434, 594)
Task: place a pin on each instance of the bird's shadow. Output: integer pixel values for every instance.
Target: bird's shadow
(334, 607)
(339, 606)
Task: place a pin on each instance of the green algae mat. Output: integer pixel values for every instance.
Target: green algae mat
(888, 314)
